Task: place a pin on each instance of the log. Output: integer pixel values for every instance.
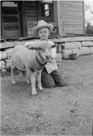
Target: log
(66, 53)
(3, 55)
(76, 51)
(91, 49)
(73, 39)
(84, 50)
(87, 43)
(72, 45)
(2, 65)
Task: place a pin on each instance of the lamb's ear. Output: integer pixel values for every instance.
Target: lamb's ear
(32, 48)
(39, 48)
(53, 46)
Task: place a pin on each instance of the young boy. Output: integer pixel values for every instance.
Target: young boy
(50, 75)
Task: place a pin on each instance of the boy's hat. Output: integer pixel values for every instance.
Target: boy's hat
(42, 24)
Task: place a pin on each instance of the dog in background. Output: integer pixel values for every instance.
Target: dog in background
(31, 59)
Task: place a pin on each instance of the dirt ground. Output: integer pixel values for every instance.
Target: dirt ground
(58, 111)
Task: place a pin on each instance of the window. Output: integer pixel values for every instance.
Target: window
(46, 11)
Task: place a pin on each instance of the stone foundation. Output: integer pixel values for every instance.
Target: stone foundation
(66, 48)
(74, 46)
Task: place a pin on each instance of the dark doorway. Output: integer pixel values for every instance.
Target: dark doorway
(11, 20)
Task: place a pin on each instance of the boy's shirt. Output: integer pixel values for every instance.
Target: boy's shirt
(52, 65)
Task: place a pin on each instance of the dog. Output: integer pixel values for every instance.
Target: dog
(30, 60)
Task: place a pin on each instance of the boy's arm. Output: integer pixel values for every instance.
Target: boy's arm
(30, 44)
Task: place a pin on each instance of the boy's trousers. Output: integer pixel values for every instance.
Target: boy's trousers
(53, 79)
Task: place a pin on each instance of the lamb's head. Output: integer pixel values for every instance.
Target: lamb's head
(45, 50)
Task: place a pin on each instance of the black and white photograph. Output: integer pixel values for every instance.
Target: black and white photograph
(46, 68)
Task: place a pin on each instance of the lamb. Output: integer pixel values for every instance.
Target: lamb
(31, 59)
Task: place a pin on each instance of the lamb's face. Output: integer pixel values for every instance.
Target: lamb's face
(44, 48)
(45, 53)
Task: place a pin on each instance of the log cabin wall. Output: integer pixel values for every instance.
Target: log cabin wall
(35, 11)
(67, 15)
(0, 20)
(30, 15)
(70, 17)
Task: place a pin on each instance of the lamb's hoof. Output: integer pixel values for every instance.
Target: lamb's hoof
(41, 90)
(28, 82)
(34, 93)
(13, 82)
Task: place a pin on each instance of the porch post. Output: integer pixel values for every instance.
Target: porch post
(58, 17)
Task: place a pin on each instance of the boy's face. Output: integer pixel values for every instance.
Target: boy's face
(43, 33)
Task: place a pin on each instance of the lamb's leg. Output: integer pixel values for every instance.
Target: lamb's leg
(39, 80)
(28, 81)
(27, 77)
(33, 83)
(13, 75)
(32, 76)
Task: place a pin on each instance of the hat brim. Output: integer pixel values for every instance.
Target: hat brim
(35, 29)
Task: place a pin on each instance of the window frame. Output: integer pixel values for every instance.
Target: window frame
(39, 10)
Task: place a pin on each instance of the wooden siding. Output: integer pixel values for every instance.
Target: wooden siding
(0, 20)
(72, 17)
(31, 16)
